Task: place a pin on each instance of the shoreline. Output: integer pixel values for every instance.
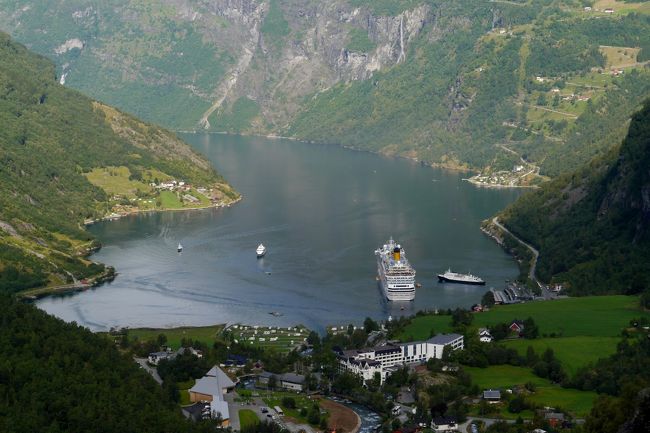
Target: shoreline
(36, 293)
(115, 216)
(498, 185)
(441, 166)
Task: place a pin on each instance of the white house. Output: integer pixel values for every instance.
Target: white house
(444, 425)
(484, 335)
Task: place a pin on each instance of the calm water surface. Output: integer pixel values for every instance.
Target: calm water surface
(321, 211)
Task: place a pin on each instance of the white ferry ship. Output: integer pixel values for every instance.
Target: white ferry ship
(396, 275)
(454, 277)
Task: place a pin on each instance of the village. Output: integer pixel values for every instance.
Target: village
(248, 386)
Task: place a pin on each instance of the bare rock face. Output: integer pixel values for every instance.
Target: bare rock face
(153, 45)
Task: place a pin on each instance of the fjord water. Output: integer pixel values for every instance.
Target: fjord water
(321, 211)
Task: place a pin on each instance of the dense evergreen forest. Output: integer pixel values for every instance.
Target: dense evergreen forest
(592, 227)
(50, 137)
(60, 377)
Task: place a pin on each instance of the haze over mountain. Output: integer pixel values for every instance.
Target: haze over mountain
(464, 83)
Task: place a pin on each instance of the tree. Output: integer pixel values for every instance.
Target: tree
(314, 339)
(370, 325)
(313, 417)
(289, 402)
(531, 356)
(359, 338)
(530, 331)
(517, 404)
(273, 382)
(488, 299)
(461, 317)
(162, 339)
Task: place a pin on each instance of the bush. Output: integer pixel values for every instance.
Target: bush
(289, 402)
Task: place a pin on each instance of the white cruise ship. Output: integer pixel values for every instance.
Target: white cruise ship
(396, 275)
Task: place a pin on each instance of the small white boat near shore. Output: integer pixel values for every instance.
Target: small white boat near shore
(179, 248)
(261, 251)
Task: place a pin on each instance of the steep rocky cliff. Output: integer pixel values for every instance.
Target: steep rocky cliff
(460, 83)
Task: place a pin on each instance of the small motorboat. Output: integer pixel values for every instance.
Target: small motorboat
(179, 248)
(261, 251)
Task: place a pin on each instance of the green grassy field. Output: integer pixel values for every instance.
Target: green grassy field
(573, 352)
(274, 398)
(420, 327)
(115, 181)
(204, 334)
(506, 376)
(169, 200)
(593, 316)
(248, 418)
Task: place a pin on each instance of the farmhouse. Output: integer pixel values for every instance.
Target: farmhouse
(517, 326)
(484, 335)
(444, 425)
(155, 357)
(492, 395)
(554, 419)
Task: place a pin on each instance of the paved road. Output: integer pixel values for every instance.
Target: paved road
(151, 370)
(464, 427)
(533, 266)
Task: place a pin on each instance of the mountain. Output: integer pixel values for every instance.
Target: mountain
(592, 227)
(66, 159)
(60, 377)
(547, 84)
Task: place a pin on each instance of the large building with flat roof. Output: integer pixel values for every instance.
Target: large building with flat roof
(383, 359)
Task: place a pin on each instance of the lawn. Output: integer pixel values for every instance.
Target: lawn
(169, 200)
(183, 388)
(204, 334)
(619, 56)
(115, 181)
(274, 398)
(547, 394)
(573, 352)
(248, 418)
(420, 327)
(593, 316)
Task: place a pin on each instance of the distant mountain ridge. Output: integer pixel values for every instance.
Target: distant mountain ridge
(51, 141)
(458, 83)
(592, 227)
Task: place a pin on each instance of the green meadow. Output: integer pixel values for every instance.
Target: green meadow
(573, 352)
(593, 316)
(205, 334)
(547, 394)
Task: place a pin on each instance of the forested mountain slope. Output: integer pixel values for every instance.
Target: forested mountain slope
(51, 140)
(592, 227)
(461, 83)
(60, 377)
